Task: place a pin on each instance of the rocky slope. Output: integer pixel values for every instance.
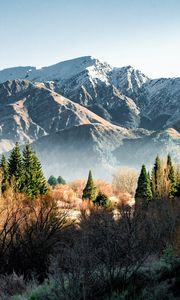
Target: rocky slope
(29, 111)
(90, 113)
(96, 85)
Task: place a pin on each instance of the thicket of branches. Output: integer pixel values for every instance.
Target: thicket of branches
(102, 252)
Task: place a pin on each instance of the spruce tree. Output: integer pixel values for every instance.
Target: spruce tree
(171, 177)
(41, 183)
(34, 180)
(89, 192)
(5, 173)
(16, 174)
(156, 179)
(143, 191)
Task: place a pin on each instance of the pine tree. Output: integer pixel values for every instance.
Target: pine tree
(89, 192)
(41, 183)
(143, 191)
(16, 173)
(52, 180)
(171, 177)
(34, 180)
(5, 173)
(156, 179)
(102, 200)
(61, 180)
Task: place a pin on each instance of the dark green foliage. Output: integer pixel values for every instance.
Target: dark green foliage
(16, 172)
(156, 180)
(34, 180)
(143, 191)
(177, 194)
(52, 180)
(61, 180)
(171, 177)
(5, 173)
(101, 200)
(89, 192)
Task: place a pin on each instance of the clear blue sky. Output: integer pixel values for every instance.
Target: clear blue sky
(142, 33)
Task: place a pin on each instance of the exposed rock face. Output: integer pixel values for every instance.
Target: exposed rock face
(159, 101)
(98, 86)
(29, 111)
(89, 112)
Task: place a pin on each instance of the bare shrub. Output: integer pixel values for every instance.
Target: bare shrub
(104, 187)
(103, 254)
(78, 186)
(65, 196)
(125, 181)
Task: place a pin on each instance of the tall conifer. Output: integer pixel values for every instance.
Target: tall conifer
(16, 173)
(171, 176)
(143, 191)
(156, 179)
(89, 192)
(34, 180)
(5, 173)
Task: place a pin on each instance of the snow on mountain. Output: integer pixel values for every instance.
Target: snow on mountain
(101, 88)
(16, 73)
(30, 110)
(86, 100)
(60, 71)
(159, 101)
(128, 80)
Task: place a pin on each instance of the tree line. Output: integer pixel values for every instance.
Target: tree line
(163, 182)
(23, 172)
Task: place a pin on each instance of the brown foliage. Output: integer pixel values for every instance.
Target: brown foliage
(125, 181)
(78, 186)
(104, 187)
(29, 231)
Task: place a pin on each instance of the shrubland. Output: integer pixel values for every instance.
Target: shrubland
(88, 239)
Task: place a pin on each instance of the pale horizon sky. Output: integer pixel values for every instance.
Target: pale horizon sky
(141, 33)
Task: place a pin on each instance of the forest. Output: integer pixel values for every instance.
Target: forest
(88, 239)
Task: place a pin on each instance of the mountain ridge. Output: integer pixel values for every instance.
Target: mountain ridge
(84, 95)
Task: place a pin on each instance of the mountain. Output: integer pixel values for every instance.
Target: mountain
(86, 113)
(159, 103)
(93, 84)
(144, 149)
(29, 111)
(75, 150)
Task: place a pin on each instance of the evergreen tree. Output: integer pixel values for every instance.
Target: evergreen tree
(177, 178)
(16, 173)
(101, 200)
(143, 191)
(41, 183)
(156, 179)
(34, 180)
(171, 176)
(52, 180)
(5, 173)
(61, 180)
(89, 192)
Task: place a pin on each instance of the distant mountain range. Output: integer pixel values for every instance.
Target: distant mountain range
(84, 113)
